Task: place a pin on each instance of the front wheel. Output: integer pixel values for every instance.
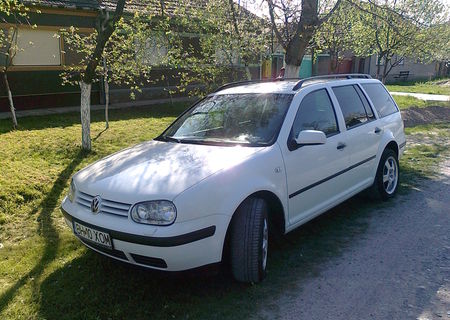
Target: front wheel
(250, 241)
(387, 177)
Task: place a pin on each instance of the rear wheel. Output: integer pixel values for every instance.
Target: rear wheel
(387, 177)
(249, 241)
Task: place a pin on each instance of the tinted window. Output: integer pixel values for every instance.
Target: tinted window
(351, 106)
(381, 99)
(366, 104)
(247, 119)
(315, 113)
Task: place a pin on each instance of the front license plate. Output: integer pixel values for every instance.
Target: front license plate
(92, 235)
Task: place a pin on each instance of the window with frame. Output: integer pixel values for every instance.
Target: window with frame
(316, 112)
(37, 48)
(381, 99)
(351, 105)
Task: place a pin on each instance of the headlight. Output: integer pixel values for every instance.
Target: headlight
(159, 212)
(72, 190)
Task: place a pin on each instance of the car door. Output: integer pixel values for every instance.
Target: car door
(313, 172)
(363, 134)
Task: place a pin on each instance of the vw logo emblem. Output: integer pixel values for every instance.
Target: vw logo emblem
(95, 204)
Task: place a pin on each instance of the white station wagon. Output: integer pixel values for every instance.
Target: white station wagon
(251, 159)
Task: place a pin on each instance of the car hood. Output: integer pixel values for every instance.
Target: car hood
(156, 170)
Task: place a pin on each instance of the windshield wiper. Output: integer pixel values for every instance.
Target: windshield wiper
(168, 138)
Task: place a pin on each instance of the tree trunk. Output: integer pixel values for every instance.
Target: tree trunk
(104, 33)
(384, 75)
(11, 102)
(106, 93)
(85, 115)
(291, 71)
(378, 69)
(248, 74)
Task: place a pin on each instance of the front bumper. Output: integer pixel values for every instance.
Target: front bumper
(183, 251)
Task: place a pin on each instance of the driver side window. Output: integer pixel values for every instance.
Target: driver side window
(316, 113)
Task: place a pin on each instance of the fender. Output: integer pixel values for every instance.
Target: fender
(387, 138)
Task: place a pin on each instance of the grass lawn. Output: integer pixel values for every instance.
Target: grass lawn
(405, 102)
(45, 273)
(421, 87)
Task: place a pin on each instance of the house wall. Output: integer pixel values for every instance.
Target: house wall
(417, 71)
(35, 86)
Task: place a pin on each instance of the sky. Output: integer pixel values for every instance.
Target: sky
(259, 7)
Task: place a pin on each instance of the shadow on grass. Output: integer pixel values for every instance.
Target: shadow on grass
(69, 119)
(46, 230)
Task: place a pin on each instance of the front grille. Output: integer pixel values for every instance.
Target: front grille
(107, 206)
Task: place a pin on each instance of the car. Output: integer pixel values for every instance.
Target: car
(249, 161)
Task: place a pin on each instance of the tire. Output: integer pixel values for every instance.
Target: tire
(388, 175)
(249, 241)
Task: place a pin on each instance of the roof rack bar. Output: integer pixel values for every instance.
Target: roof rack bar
(332, 76)
(243, 82)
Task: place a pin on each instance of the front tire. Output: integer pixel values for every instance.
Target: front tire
(249, 241)
(387, 177)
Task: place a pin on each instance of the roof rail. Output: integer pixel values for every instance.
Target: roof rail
(332, 76)
(239, 83)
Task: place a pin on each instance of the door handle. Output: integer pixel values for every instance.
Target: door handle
(341, 146)
(377, 130)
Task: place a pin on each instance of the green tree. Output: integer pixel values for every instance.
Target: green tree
(334, 36)
(14, 14)
(119, 51)
(227, 40)
(294, 23)
(395, 29)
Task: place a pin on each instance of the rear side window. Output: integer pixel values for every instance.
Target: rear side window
(366, 104)
(351, 106)
(381, 99)
(315, 113)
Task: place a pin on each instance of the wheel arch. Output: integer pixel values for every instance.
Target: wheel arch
(393, 146)
(277, 217)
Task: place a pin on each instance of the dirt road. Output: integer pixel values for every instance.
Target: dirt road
(399, 269)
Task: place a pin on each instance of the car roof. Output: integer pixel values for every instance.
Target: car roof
(286, 86)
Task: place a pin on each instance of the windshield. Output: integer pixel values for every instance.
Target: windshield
(248, 119)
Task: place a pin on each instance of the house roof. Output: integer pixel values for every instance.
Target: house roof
(67, 4)
(167, 6)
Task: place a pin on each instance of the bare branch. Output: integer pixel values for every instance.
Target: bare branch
(274, 24)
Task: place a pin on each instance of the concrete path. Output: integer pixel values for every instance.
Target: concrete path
(49, 111)
(423, 96)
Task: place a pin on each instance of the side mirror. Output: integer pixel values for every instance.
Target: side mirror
(310, 137)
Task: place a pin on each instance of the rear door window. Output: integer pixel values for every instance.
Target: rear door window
(351, 105)
(381, 99)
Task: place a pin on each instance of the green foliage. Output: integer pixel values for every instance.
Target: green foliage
(229, 40)
(396, 29)
(16, 14)
(126, 53)
(334, 36)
